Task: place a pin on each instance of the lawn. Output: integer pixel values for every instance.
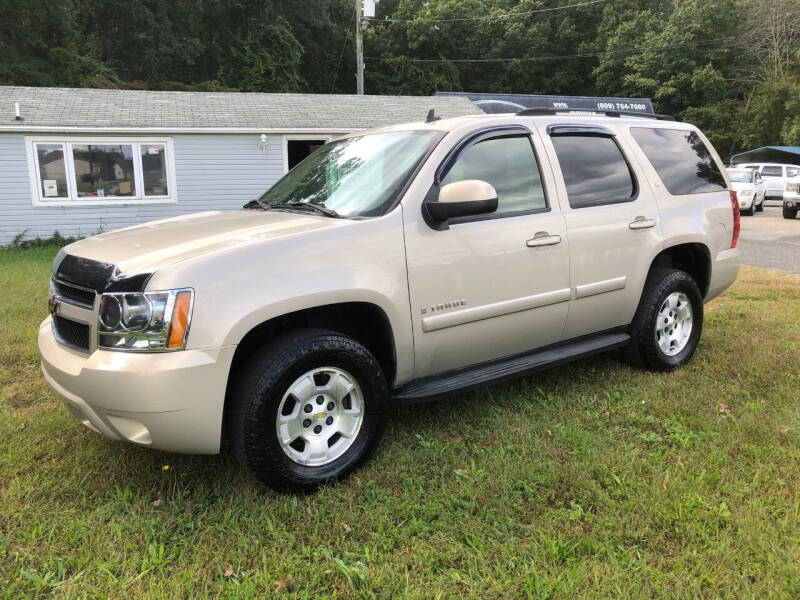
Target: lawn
(589, 480)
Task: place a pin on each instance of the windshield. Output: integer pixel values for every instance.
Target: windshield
(357, 176)
(740, 176)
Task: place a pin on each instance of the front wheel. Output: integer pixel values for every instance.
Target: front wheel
(760, 207)
(308, 409)
(789, 213)
(666, 328)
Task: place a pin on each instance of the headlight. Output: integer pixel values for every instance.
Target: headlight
(145, 322)
(747, 192)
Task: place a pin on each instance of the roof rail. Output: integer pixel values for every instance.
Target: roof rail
(530, 112)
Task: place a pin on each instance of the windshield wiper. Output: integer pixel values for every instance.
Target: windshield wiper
(257, 203)
(323, 210)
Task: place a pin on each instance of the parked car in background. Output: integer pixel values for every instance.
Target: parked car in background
(775, 175)
(791, 198)
(391, 266)
(750, 188)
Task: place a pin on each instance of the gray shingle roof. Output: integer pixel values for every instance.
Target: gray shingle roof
(70, 107)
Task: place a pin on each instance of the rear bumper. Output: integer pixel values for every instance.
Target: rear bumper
(724, 271)
(166, 401)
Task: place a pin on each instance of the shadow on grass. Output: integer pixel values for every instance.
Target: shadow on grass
(218, 477)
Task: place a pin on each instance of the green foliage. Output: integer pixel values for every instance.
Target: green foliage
(19, 242)
(730, 66)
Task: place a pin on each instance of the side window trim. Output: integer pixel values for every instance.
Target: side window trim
(468, 141)
(591, 131)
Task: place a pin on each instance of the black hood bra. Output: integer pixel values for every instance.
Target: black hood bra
(99, 276)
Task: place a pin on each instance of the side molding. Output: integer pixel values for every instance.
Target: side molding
(496, 309)
(600, 287)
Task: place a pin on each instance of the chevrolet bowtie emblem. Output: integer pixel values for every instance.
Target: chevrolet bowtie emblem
(319, 416)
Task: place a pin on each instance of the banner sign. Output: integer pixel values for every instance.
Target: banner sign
(511, 103)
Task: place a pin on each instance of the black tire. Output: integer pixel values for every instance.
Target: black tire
(750, 211)
(263, 381)
(760, 207)
(643, 350)
(789, 213)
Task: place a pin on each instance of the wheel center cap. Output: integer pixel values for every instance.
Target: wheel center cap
(320, 415)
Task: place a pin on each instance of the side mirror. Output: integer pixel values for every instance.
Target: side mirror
(463, 199)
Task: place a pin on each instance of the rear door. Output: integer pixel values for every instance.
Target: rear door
(612, 223)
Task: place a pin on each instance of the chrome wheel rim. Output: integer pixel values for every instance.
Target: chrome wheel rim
(674, 324)
(319, 416)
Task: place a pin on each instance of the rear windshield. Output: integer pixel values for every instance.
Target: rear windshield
(772, 171)
(682, 160)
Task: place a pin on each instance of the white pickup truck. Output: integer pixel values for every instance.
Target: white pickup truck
(395, 265)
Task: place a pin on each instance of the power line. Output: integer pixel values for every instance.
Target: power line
(488, 17)
(338, 64)
(549, 58)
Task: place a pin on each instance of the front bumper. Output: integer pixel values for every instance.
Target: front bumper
(745, 202)
(791, 200)
(169, 401)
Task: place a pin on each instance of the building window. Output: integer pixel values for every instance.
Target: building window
(102, 171)
(52, 172)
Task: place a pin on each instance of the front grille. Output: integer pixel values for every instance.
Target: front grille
(71, 333)
(77, 295)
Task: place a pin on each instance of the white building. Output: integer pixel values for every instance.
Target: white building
(80, 161)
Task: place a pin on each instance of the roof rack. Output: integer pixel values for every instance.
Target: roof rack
(530, 112)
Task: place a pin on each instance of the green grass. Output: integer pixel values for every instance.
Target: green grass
(590, 480)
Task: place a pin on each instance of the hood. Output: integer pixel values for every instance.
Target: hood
(154, 245)
(738, 186)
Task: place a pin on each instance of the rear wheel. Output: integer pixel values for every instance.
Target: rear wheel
(309, 409)
(789, 213)
(667, 325)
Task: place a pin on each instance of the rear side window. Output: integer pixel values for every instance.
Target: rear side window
(772, 171)
(792, 172)
(594, 170)
(509, 165)
(681, 159)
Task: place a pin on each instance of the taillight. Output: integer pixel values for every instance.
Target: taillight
(736, 219)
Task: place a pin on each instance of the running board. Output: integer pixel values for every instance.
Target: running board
(464, 380)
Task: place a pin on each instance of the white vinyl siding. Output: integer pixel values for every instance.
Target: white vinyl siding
(211, 171)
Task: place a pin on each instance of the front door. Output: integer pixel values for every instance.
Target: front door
(495, 285)
(612, 223)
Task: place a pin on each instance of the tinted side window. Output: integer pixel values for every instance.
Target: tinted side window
(509, 164)
(594, 170)
(682, 160)
(792, 172)
(772, 171)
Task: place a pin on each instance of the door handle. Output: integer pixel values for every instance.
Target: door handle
(642, 223)
(542, 238)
